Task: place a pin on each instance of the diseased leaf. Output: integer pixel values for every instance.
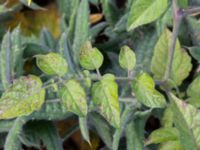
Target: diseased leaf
(163, 135)
(144, 12)
(90, 58)
(105, 98)
(181, 63)
(52, 64)
(145, 92)
(23, 97)
(187, 120)
(74, 98)
(127, 58)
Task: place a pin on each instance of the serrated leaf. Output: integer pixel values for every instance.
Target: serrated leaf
(187, 120)
(163, 135)
(23, 97)
(181, 63)
(52, 64)
(145, 92)
(74, 98)
(90, 58)
(127, 58)
(105, 98)
(144, 12)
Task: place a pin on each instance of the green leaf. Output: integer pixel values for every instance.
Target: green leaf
(193, 92)
(171, 145)
(186, 119)
(193, 89)
(17, 50)
(46, 39)
(52, 111)
(23, 97)
(183, 3)
(90, 58)
(74, 98)
(163, 135)
(45, 131)
(81, 29)
(6, 60)
(127, 58)
(12, 139)
(105, 98)
(144, 12)
(167, 119)
(128, 111)
(195, 52)
(181, 66)
(145, 92)
(52, 64)
(84, 129)
(135, 131)
(111, 12)
(102, 128)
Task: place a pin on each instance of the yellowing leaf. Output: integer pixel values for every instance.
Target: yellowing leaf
(94, 18)
(127, 58)
(90, 58)
(181, 63)
(145, 11)
(74, 98)
(105, 98)
(187, 121)
(145, 92)
(23, 97)
(52, 64)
